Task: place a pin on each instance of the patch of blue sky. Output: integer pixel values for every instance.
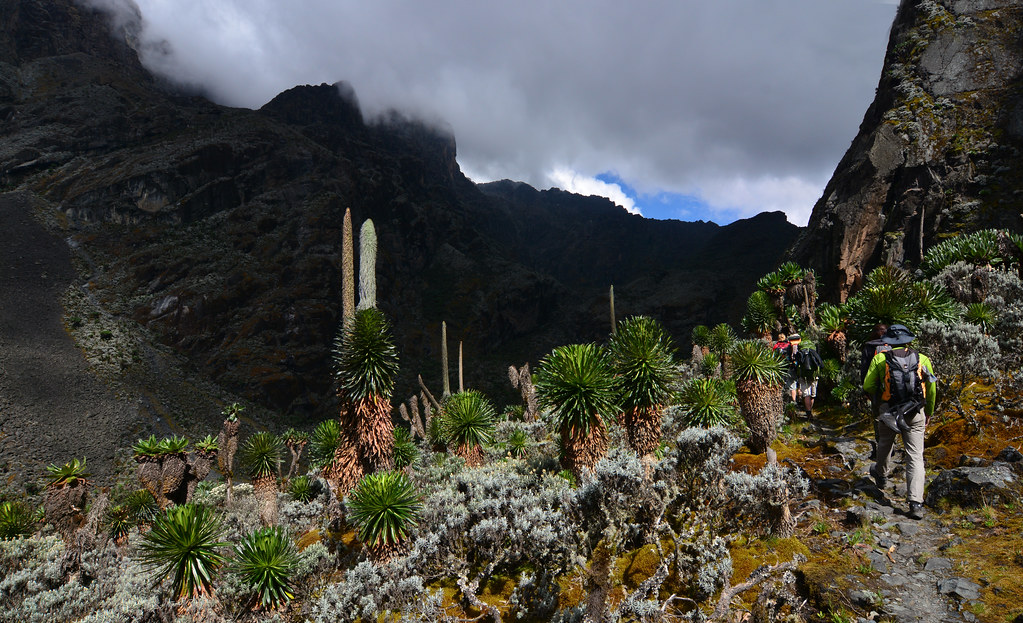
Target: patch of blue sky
(668, 205)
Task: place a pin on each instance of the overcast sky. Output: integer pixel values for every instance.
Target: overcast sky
(712, 110)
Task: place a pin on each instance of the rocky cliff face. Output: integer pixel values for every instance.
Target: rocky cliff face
(215, 232)
(939, 151)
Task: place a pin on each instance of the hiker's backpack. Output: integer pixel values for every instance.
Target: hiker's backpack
(903, 382)
(809, 361)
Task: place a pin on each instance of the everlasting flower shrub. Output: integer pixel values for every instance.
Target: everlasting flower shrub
(960, 351)
(762, 501)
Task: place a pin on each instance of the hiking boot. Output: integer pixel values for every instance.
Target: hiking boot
(916, 510)
(879, 480)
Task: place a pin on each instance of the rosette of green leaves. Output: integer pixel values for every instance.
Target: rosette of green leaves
(707, 402)
(174, 444)
(207, 444)
(709, 364)
(701, 336)
(266, 560)
(324, 441)
(721, 339)
(518, 442)
(791, 272)
(577, 383)
(753, 360)
(760, 314)
(301, 488)
(771, 283)
(365, 358)
(16, 520)
(405, 449)
(469, 419)
(67, 475)
(149, 447)
(262, 454)
(643, 357)
(142, 506)
(982, 315)
(891, 296)
(184, 543)
(384, 507)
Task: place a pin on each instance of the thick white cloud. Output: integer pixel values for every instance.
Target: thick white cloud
(574, 182)
(748, 104)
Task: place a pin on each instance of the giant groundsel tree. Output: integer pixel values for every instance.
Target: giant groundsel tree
(643, 357)
(577, 383)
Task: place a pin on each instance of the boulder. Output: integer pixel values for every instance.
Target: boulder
(974, 486)
(960, 588)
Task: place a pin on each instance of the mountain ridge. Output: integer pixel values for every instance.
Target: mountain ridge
(215, 232)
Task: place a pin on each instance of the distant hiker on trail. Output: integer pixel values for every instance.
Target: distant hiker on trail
(792, 370)
(870, 348)
(809, 363)
(904, 382)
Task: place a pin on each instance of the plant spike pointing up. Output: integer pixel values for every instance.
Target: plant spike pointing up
(367, 265)
(444, 358)
(461, 386)
(347, 269)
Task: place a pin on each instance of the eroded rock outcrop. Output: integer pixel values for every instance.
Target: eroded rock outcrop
(940, 150)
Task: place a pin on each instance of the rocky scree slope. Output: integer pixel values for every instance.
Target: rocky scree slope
(216, 231)
(940, 150)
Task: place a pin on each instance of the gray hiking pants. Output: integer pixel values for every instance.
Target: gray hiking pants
(914, 445)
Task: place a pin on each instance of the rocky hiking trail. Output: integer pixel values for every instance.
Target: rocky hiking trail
(906, 570)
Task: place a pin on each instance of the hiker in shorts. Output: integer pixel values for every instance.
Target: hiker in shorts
(809, 362)
(904, 382)
(871, 347)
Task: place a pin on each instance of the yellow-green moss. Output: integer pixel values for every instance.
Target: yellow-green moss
(991, 554)
(749, 553)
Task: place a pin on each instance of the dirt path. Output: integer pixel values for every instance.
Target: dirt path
(910, 580)
(51, 407)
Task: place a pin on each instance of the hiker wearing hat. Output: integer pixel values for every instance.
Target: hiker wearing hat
(905, 384)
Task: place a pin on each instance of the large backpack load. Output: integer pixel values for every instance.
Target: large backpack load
(809, 362)
(903, 387)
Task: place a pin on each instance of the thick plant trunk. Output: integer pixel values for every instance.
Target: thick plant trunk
(173, 469)
(151, 476)
(199, 468)
(227, 442)
(583, 451)
(644, 429)
(757, 405)
(473, 455)
(374, 433)
(265, 489)
(344, 471)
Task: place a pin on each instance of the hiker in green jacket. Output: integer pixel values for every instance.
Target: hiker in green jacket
(905, 383)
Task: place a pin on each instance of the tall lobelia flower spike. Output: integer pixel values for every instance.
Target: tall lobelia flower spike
(347, 269)
(367, 265)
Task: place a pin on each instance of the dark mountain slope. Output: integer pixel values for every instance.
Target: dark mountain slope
(216, 231)
(939, 151)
